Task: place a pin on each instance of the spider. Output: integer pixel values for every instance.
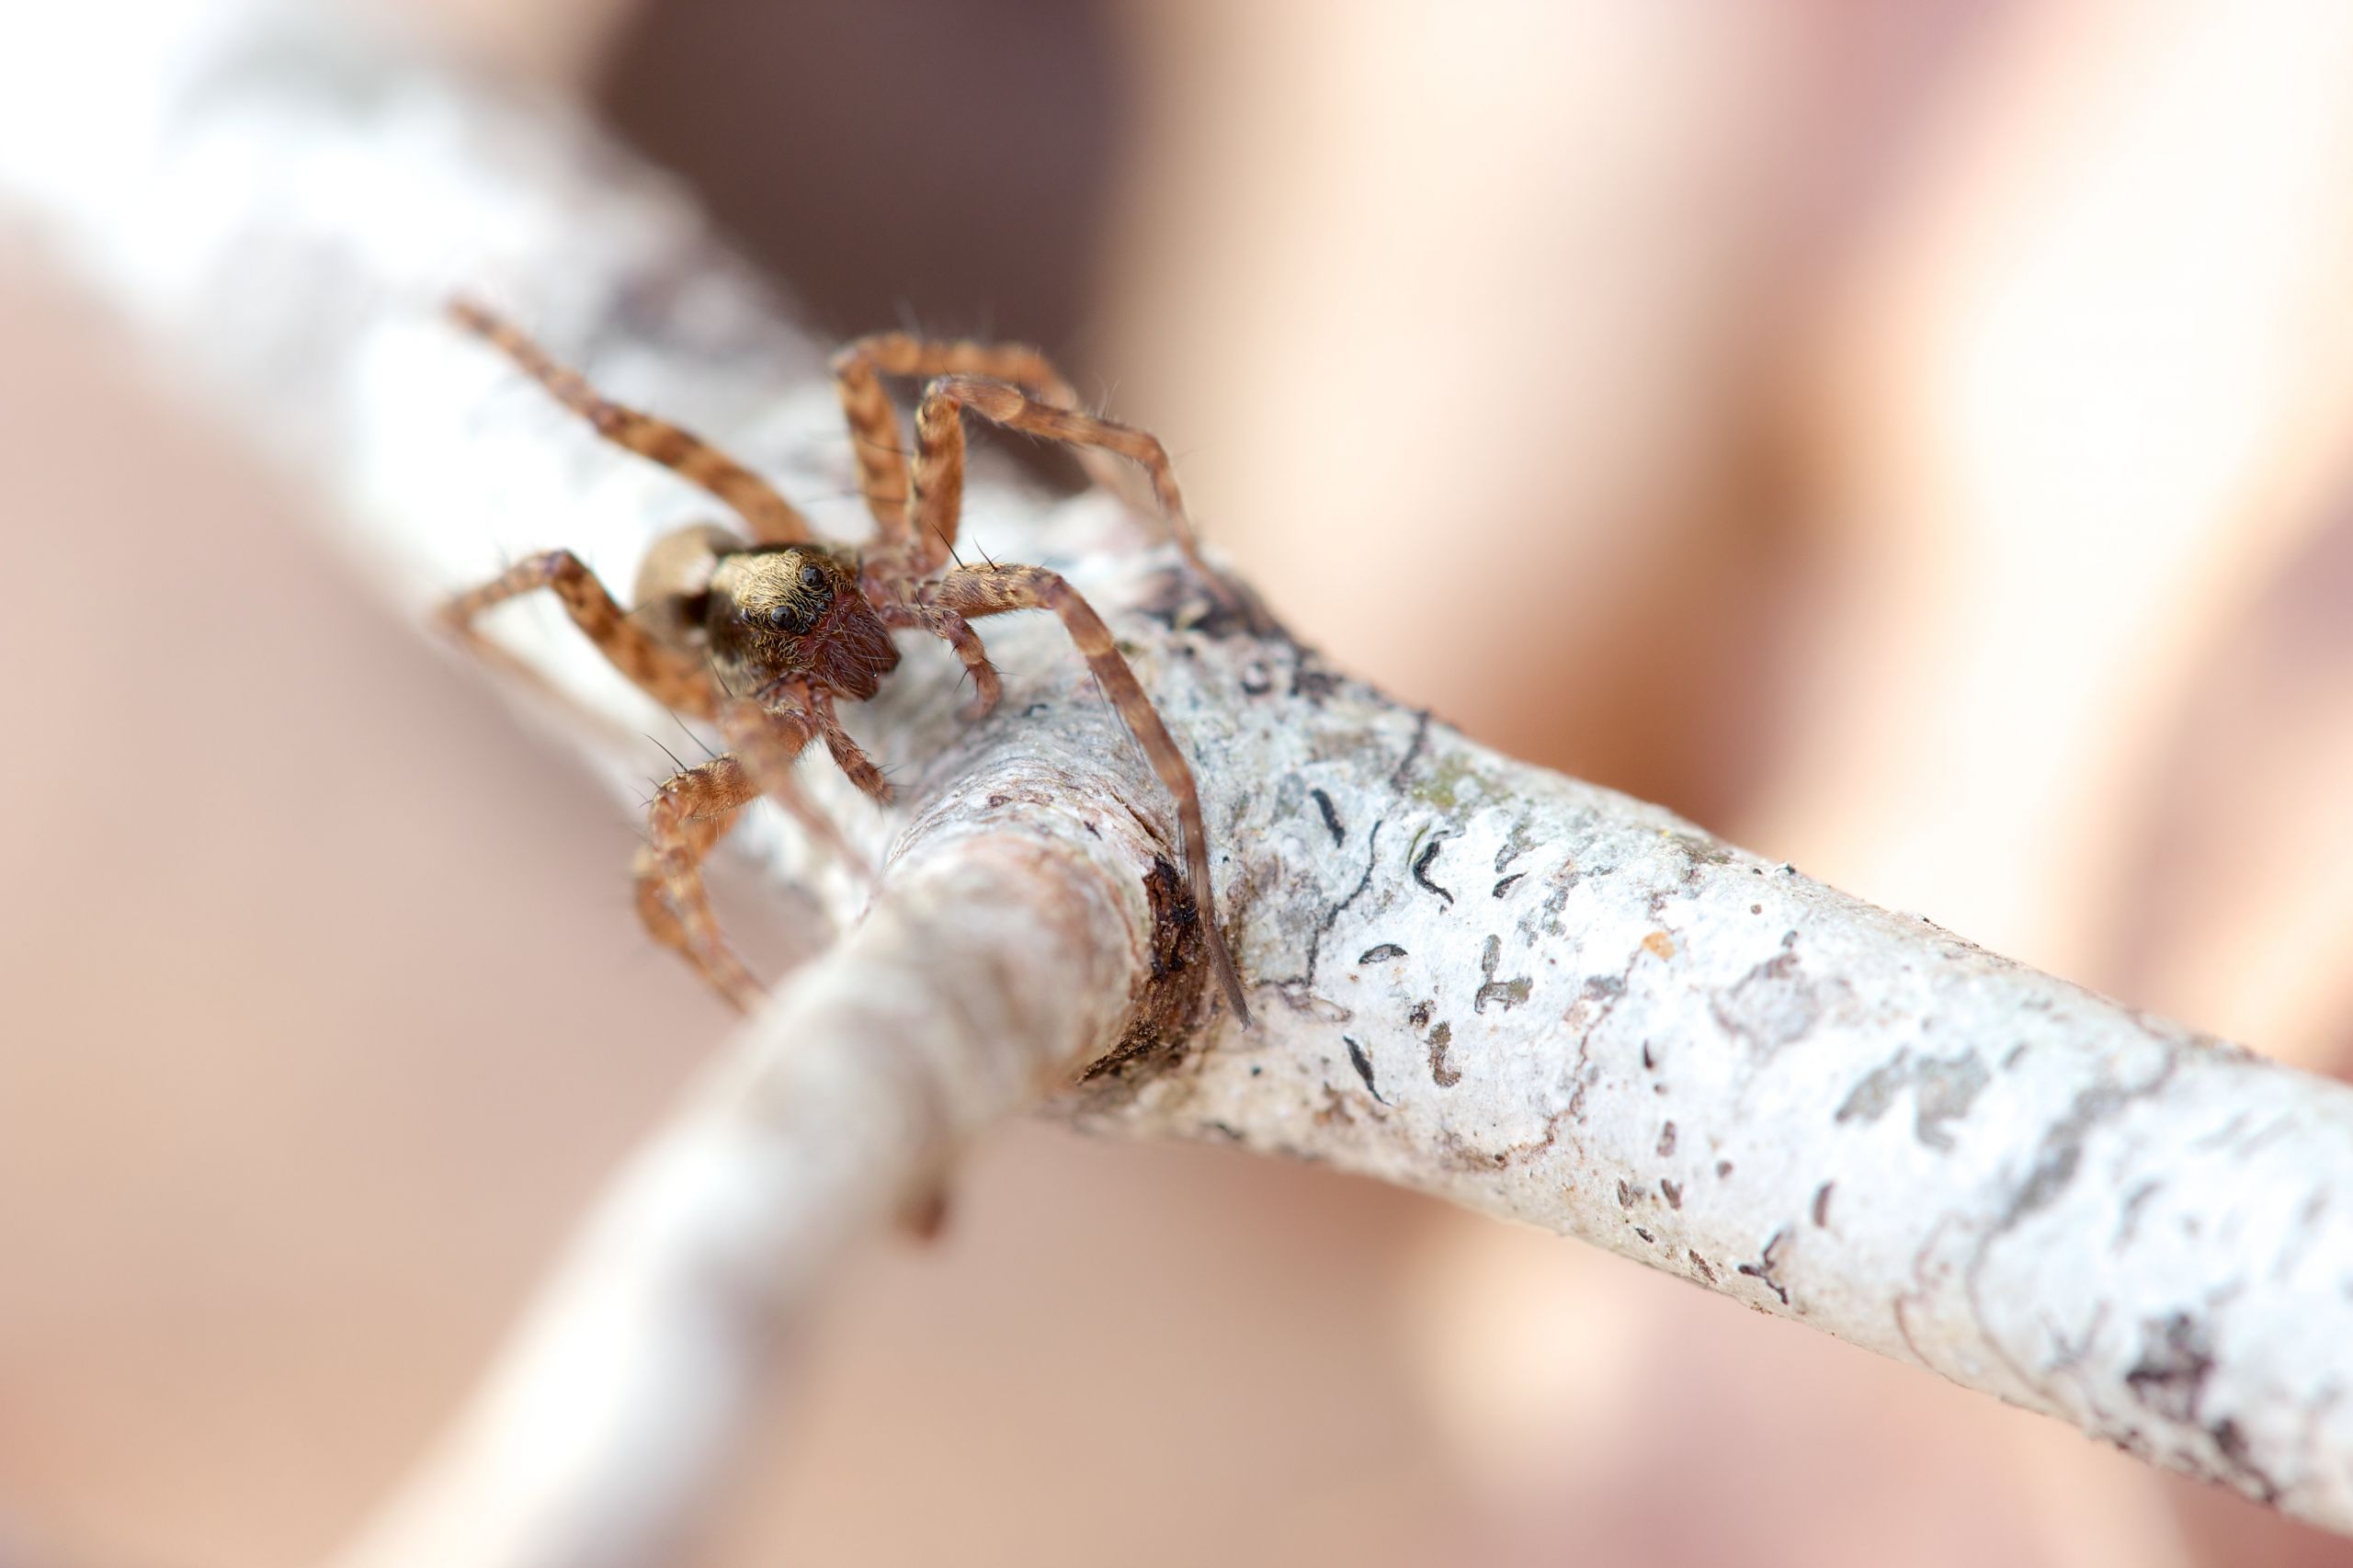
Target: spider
(763, 636)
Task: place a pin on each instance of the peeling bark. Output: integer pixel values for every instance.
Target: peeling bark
(1475, 979)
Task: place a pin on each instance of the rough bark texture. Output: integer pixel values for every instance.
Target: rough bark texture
(1473, 978)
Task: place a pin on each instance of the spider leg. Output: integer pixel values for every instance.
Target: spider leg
(858, 369)
(687, 816)
(662, 673)
(953, 629)
(974, 592)
(938, 496)
(772, 519)
(848, 754)
(770, 742)
(700, 836)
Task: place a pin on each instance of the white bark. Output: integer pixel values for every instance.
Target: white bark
(1473, 978)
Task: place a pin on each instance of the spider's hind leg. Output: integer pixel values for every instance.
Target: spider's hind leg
(771, 519)
(938, 496)
(858, 369)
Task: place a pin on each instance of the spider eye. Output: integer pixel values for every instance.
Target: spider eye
(787, 618)
(811, 578)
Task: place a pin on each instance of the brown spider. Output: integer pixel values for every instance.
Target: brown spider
(798, 625)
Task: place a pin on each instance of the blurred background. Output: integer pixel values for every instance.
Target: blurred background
(1913, 442)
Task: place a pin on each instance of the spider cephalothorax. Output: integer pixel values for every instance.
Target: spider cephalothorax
(781, 612)
(762, 637)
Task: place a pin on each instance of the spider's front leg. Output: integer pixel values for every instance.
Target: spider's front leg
(689, 814)
(953, 629)
(976, 591)
(799, 702)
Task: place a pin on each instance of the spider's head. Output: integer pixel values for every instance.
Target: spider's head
(795, 610)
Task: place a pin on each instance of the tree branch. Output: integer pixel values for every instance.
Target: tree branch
(1474, 978)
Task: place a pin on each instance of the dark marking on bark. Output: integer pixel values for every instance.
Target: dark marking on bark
(1309, 679)
(1421, 867)
(1822, 1205)
(1380, 954)
(1510, 993)
(1332, 916)
(1516, 843)
(1331, 817)
(1771, 1006)
(1944, 1090)
(1723, 1169)
(1159, 1025)
(1412, 752)
(2129, 1220)
(2238, 1457)
(1442, 1073)
(1545, 918)
(1505, 885)
(2308, 1218)
(1701, 1264)
(1179, 602)
(1666, 1140)
(1363, 1064)
(1650, 1062)
(1672, 1191)
(1593, 1003)
(1762, 1270)
(1646, 1235)
(1227, 1131)
(1418, 1014)
(1700, 852)
(2176, 1355)
(2060, 1155)
(1461, 1154)
(2063, 1146)
(1946, 1087)
(1256, 680)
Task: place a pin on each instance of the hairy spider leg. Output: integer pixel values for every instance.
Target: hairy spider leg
(858, 369)
(687, 816)
(939, 495)
(653, 910)
(769, 741)
(670, 898)
(663, 673)
(848, 754)
(771, 519)
(693, 811)
(974, 592)
(952, 630)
